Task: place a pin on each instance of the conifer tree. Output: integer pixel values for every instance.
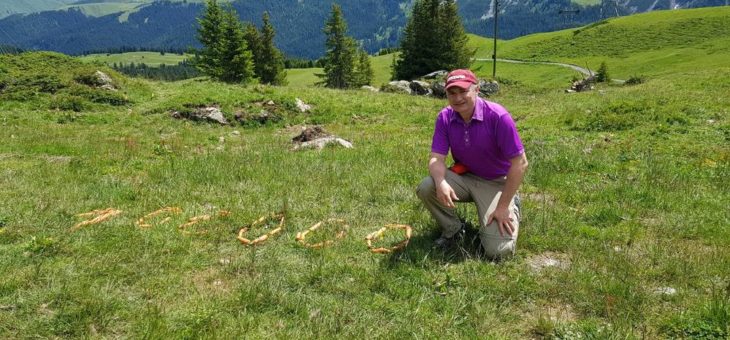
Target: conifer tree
(272, 61)
(363, 72)
(338, 61)
(420, 42)
(602, 75)
(237, 59)
(253, 41)
(225, 55)
(434, 39)
(210, 35)
(454, 51)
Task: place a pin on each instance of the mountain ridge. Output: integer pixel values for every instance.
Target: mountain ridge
(170, 25)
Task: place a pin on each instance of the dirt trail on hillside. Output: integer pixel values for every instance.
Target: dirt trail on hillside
(582, 70)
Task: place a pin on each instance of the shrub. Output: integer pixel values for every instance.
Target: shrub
(67, 102)
(635, 80)
(602, 73)
(88, 79)
(99, 95)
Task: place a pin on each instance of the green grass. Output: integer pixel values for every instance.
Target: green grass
(626, 182)
(149, 58)
(660, 42)
(303, 77)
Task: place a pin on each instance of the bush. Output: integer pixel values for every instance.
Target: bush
(67, 102)
(635, 80)
(602, 73)
(88, 79)
(100, 96)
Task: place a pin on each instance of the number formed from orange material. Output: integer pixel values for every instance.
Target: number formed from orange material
(379, 233)
(301, 236)
(141, 222)
(264, 237)
(101, 216)
(196, 219)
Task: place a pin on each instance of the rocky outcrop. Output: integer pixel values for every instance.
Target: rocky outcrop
(204, 113)
(433, 85)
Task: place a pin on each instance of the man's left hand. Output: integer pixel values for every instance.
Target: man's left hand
(504, 221)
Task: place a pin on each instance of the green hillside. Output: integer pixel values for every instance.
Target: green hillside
(29, 6)
(624, 234)
(654, 43)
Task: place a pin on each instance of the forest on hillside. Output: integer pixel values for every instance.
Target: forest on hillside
(376, 24)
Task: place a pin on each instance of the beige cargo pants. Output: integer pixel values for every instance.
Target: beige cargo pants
(485, 194)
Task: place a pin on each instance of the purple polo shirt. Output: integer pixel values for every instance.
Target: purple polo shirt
(485, 146)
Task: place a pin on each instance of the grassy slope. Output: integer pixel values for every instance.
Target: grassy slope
(29, 6)
(629, 183)
(149, 58)
(661, 42)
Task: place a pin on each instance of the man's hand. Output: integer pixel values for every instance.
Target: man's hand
(504, 221)
(445, 194)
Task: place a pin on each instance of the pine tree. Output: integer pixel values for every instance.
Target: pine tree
(363, 72)
(272, 60)
(253, 41)
(338, 61)
(210, 35)
(236, 58)
(225, 55)
(434, 39)
(454, 51)
(420, 48)
(602, 75)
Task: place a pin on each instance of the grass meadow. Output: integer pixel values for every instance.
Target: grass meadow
(153, 59)
(627, 188)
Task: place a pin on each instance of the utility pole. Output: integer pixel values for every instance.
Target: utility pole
(494, 55)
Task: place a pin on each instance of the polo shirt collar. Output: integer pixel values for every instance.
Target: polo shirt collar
(478, 112)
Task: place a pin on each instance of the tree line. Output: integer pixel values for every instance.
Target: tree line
(235, 52)
(183, 70)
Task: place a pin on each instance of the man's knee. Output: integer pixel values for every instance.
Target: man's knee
(426, 188)
(495, 246)
(498, 249)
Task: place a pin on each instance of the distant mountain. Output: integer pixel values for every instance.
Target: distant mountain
(171, 25)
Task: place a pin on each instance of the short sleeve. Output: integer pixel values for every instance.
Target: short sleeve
(440, 141)
(508, 140)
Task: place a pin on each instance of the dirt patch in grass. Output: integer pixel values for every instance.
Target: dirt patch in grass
(211, 281)
(540, 262)
(310, 133)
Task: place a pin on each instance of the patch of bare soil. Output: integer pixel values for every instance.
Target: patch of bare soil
(210, 281)
(310, 133)
(548, 259)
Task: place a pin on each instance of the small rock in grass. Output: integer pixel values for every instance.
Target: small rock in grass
(303, 107)
(668, 291)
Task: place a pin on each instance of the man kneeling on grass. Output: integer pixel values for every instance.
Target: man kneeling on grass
(489, 166)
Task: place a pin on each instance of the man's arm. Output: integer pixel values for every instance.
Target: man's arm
(444, 192)
(514, 178)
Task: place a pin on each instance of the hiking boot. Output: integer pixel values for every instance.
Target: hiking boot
(444, 243)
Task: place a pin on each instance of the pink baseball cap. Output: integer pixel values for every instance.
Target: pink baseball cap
(462, 78)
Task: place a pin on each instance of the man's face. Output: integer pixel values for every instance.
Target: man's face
(462, 100)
